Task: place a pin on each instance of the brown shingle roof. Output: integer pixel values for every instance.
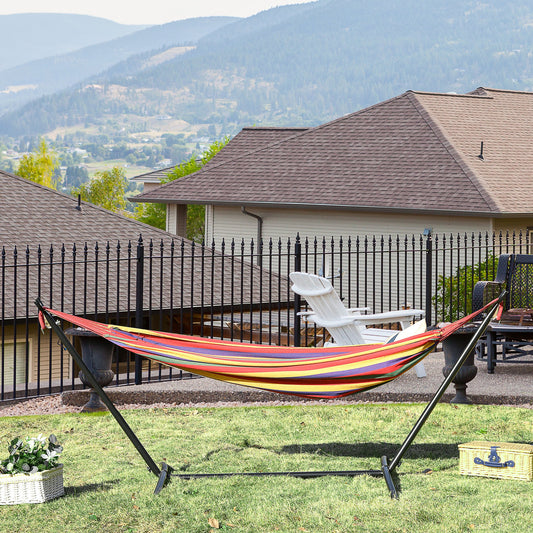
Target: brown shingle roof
(417, 151)
(251, 139)
(32, 216)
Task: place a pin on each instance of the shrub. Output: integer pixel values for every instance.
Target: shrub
(453, 299)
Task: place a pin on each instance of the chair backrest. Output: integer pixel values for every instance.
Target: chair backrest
(520, 282)
(329, 311)
(515, 276)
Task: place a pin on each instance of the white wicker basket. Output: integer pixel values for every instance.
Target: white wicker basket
(31, 488)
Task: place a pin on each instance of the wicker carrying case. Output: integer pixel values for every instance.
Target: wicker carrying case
(503, 460)
(32, 488)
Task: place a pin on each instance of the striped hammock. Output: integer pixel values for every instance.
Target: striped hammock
(331, 372)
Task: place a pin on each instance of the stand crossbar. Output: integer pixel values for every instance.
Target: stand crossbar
(388, 467)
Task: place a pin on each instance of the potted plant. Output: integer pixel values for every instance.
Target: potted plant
(31, 473)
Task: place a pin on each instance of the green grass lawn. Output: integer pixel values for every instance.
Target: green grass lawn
(108, 487)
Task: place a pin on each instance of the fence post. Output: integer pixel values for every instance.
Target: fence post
(297, 298)
(429, 274)
(139, 303)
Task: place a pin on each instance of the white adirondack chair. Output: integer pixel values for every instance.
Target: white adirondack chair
(348, 326)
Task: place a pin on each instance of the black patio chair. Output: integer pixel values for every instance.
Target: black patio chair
(512, 336)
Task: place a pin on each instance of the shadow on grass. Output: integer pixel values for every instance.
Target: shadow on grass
(78, 490)
(373, 449)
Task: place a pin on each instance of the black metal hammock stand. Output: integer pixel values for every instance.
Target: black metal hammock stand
(165, 472)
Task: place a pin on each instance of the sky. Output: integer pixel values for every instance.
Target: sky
(151, 12)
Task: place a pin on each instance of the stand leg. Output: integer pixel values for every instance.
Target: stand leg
(491, 351)
(164, 477)
(100, 391)
(388, 478)
(438, 395)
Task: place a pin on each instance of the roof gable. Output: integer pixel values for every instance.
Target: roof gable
(388, 156)
(503, 122)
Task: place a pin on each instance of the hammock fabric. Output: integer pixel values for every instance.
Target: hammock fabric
(331, 372)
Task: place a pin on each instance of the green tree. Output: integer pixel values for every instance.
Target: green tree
(75, 176)
(40, 166)
(106, 189)
(155, 214)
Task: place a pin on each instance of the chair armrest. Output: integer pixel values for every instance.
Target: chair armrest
(403, 316)
(484, 292)
(309, 314)
(306, 315)
(330, 323)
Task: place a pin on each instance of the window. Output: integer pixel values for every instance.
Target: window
(9, 359)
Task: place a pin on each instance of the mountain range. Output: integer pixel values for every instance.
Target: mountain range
(294, 65)
(46, 75)
(32, 36)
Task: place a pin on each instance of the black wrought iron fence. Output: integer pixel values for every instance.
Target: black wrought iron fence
(237, 290)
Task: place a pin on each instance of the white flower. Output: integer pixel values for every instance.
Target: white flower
(9, 467)
(48, 456)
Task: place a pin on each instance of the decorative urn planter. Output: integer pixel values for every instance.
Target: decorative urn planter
(97, 354)
(453, 347)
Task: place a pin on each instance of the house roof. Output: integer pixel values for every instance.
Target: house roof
(250, 139)
(35, 223)
(415, 152)
(33, 215)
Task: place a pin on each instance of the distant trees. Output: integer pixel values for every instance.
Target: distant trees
(156, 215)
(106, 189)
(75, 176)
(40, 166)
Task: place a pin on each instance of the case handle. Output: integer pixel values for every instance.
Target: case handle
(494, 460)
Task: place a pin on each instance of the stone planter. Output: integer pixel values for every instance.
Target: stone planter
(31, 488)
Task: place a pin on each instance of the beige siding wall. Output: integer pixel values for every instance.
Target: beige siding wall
(149, 186)
(371, 282)
(513, 225)
(171, 218)
(230, 222)
(177, 219)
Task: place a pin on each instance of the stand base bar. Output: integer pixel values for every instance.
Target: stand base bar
(348, 473)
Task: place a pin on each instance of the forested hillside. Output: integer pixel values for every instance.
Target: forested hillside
(306, 64)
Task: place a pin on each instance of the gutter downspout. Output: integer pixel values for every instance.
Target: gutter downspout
(259, 233)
